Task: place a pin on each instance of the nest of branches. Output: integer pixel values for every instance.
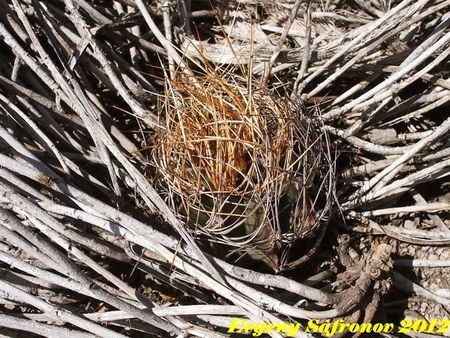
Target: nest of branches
(93, 244)
(242, 166)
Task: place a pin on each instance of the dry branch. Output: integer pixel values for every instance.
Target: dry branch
(153, 155)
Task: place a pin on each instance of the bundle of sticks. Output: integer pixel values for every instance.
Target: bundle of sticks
(89, 244)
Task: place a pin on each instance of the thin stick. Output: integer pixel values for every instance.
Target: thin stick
(57, 313)
(280, 43)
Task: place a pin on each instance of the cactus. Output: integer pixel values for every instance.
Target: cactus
(238, 163)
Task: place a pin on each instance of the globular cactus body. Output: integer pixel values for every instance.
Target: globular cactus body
(238, 164)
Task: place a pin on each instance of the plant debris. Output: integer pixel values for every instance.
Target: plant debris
(168, 166)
